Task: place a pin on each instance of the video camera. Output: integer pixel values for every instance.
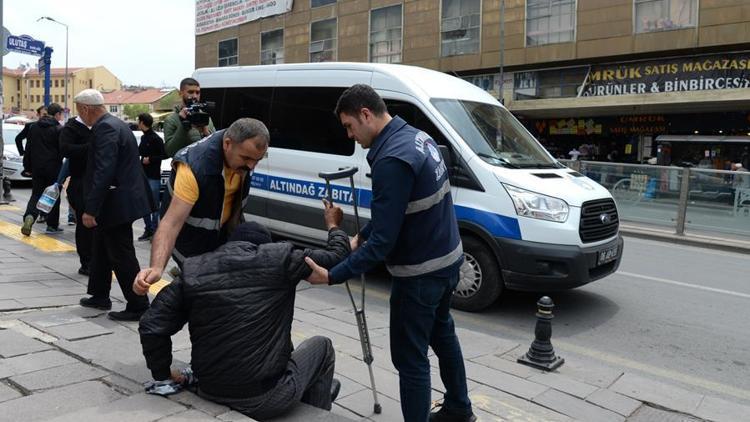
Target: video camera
(197, 114)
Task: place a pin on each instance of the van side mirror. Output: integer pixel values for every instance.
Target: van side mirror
(446, 153)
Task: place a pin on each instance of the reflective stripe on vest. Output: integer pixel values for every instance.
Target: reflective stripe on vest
(430, 201)
(427, 266)
(204, 223)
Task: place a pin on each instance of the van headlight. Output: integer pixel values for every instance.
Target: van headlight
(535, 205)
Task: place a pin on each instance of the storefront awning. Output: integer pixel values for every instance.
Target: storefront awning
(704, 139)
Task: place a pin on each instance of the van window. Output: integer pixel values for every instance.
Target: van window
(302, 119)
(414, 116)
(243, 102)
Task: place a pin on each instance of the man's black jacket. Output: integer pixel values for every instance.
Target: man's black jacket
(43, 145)
(23, 134)
(152, 146)
(75, 138)
(238, 302)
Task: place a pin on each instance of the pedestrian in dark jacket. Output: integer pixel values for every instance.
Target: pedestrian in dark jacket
(413, 228)
(152, 152)
(115, 194)
(75, 138)
(239, 304)
(44, 161)
(24, 134)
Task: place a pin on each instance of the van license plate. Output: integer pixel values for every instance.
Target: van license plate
(607, 255)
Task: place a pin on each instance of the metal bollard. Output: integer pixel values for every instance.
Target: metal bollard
(541, 354)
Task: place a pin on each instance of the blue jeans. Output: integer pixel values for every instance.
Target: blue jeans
(420, 316)
(152, 220)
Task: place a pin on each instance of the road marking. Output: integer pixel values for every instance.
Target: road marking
(680, 283)
(9, 208)
(37, 240)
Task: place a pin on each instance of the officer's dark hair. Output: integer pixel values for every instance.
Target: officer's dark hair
(188, 81)
(248, 128)
(39, 110)
(356, 98)
(53, 109)
(146, 119)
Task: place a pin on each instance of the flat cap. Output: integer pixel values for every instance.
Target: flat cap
(89, 97)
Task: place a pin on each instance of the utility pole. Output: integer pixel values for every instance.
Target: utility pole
(502, 51)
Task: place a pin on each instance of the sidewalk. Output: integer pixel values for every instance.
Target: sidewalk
(62, 362)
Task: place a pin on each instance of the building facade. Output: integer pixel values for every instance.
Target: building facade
(23, 89)
(156, 101)
(622, 80)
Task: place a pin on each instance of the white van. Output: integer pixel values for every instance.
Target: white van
(527, 222)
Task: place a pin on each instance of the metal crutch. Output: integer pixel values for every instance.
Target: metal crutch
(359, 313)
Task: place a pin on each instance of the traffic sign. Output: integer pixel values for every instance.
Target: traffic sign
(6, 34)
(25, 44)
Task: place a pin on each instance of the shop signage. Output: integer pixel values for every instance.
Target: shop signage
(696, 73)
(214, 15)
(615, 125)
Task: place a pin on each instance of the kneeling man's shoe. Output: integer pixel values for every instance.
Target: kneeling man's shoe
(335, 388)
(445, 415)
(102, 303)
(126, 315)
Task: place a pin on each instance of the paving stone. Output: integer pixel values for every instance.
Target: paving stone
(664, 395)
(234, 416)
(302, 412)
(51, 320)
(475, 344)
(586, 370)
(36, 269)
(15, 278)
(575, 408)
(8, 393)
(361, 404)
(33, 362)
(138, 408)
(58, 376)
(123, 384)
(564, 384)
(14, 344)
(190, 415)
(507, 407)
(504, 365)
(349, 386)
(78, 330)
(614, 402)
(47, 302)
(42, 406)
(719, 410)
(304, 301)
(10, 305)
(386, 382)
(650, 414)
(341, 411)
(504, 382)
(191, 400)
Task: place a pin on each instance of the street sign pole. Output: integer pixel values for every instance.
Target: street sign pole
(47, 59)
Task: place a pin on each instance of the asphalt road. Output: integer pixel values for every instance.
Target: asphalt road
(673, 313)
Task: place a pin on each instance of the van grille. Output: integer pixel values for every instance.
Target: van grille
(599, 220)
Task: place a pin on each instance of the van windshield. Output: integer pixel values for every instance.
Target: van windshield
(494, 134)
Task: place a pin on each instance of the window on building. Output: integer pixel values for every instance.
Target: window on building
(385, 35)
(272, 47)
(91, 84)
(113, 109)
(57, 83)
(663, 15)
(323, 41)
(557, 83)
(12, 99)
(38, 98)
(37, 83)
(18, 84)
(301, 119)
(228, 52)
(318, 3)
(459, 27)
(550, 21)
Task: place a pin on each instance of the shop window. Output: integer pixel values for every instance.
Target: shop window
(323, 41)
(272, 47)
(385, 35)
(302, 119)
(664, 15)
(228, 52)
(459, 27)
(318, 3)
(557, 83)
(550, 21)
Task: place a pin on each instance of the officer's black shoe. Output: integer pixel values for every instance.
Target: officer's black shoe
(147, 235)
(102, 303)
(445, 415)
(335, 388)
(126, 315)
(84, 270)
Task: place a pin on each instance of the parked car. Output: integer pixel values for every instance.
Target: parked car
(12, 160)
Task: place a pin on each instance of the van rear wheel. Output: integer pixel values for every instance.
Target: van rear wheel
(479, 283)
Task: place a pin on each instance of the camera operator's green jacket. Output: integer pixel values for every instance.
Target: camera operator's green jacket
(176, 137)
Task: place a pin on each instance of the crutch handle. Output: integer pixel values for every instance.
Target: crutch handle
(341, 174)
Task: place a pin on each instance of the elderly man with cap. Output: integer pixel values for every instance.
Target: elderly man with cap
(115, 191)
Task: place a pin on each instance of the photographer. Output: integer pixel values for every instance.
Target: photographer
(188, 123)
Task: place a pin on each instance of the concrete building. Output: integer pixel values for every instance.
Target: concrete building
(23, 89)
(623, 79)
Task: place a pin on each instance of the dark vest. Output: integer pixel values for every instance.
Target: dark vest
(202, 231)
(429, 240)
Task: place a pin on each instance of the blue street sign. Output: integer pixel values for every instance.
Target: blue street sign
(25, 44)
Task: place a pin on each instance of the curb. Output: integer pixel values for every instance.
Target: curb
(710, 242)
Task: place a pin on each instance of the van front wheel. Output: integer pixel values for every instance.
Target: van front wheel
(479, 283)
